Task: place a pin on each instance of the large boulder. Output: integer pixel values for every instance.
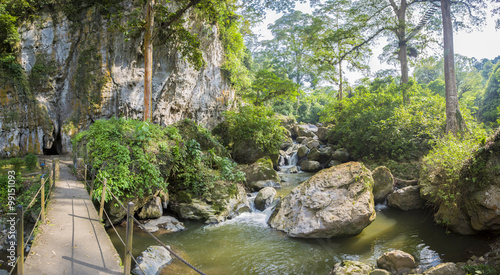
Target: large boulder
(313, 144)
(305, 130)
(351, 268)
(151, 260)
(152, 209)
(322, 133)
(117, 213)
(247, 151)
(484, 209)
(407, 198)
(321, 155)
(302, 151)
(227, 206)
(259, 173)
(454, 219)
(310, 166)
(445, 269)
(383, 183)
(341, 155)
(166, 224)
(396, 261)
(264, 198)
(334, 202)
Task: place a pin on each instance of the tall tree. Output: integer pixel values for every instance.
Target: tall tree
(332, 35)
(288, 52)
(148, 59)
(396, 20)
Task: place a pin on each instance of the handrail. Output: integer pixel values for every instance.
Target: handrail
(130, 220)
(19, 263)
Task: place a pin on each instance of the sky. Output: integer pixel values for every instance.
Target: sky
(478, 44)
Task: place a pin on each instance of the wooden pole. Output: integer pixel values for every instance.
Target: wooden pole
(42, 195)
(103, 197)
(127, 260)
(92, 184)
(53, 174)
(20, 240)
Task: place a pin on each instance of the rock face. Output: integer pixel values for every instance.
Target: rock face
(89, 71)
(351, 268)
(151, 210)
(264, 198)
(117, 213)
(151, 260)
(258, 174)
(201, 210)
(337, 201)
(484, 210)
(383, 183)
(396, 261)
(407, 198)
(454, 220)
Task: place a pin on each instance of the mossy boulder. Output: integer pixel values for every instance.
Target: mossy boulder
(264, 198)
(335, 202)
(260, 171)
(247, 152)
(351, 268)
(407, 198)
(383, 183)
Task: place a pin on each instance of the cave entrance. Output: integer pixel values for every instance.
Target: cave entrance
(56, 146)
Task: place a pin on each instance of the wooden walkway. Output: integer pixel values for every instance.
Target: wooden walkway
(72, 240)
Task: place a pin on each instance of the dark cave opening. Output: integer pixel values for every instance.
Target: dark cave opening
(56, 146)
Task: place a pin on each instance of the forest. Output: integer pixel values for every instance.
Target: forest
(186, 103)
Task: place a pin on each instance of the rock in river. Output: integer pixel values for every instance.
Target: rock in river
(151, 260)
(335, 202)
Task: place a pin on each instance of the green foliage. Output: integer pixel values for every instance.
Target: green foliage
(255, 123)
(8, 32)
(489, 112)
(268, 86)
(374, 123)
(138, 158)
(31, 161)
(445, 161)
(481, 269)
(17, 163)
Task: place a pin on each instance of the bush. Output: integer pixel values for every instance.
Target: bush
(31, 161)
(17, 163)
(255, 123)
(375, 124)
(138, 158)
(444, 163)
(481, 269)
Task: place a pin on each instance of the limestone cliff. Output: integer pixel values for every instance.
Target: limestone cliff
(78, 72)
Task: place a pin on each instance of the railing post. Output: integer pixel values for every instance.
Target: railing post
(53, 173)
(92, 184)
(85, 177)
(127, 259)
(42, 194)
(102, 198)
(20, 240)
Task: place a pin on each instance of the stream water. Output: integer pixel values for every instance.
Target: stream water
(247, 245)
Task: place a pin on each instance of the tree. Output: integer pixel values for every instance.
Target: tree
(267, 85)
(454, 120)
(332, 36)
(287, 53)
(148, 59)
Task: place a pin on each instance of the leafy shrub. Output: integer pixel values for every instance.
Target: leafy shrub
(489, 111)
(482, 269)
(31, 161)
(255, 123)
(374, 123)
(444, 163)
(138, 158)
(17, 163)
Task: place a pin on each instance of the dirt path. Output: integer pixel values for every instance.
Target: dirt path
(72, 240)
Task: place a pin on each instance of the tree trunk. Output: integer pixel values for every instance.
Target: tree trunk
(403, 51)
(454, 120)
(340, 81)
(148, 60)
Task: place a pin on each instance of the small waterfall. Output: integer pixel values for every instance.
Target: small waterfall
(293, 159)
